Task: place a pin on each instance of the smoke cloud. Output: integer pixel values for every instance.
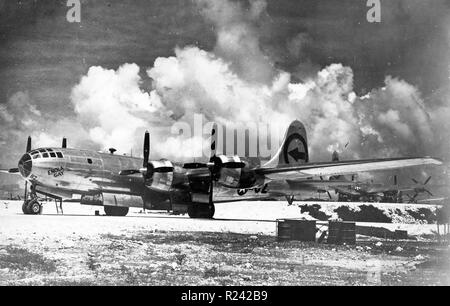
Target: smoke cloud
(236, 82)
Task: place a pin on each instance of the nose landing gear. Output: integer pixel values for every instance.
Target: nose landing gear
(31, 207)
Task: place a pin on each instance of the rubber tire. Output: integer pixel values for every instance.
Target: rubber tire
(34, 207)
(116, 211)
(209, 213)
(193, 211)
(201, 211)
(25, 207)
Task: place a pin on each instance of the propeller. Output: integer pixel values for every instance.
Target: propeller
(418, 190)
(146, 168)
(422, 187)
(412, 199)
(64, 143)
(321, 178)
(215, 164)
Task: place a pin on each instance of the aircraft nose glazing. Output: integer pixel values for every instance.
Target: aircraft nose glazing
(25, 165)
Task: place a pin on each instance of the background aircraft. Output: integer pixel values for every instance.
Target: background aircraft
(119, 182)
(379, 192)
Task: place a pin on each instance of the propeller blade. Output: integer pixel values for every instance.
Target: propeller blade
(395, 179)
(212, 168)
(213, 141)
(28, 149)
(233, 165)
(412, 199)
(329, 195)
(415, 181)
(427, 191)
(146, 148)
(428, 179)
(25, 194)
(211, 189)
(64, 143)
(12, 170)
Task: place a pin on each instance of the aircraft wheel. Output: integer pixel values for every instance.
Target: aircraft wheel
(117, 211)
(25, 207)
(201, 211)
(209, 212)
(34, 207)
(193, 211)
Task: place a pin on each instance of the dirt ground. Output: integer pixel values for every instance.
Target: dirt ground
(156, 249)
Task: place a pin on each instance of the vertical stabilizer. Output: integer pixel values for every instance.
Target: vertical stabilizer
(293, 149)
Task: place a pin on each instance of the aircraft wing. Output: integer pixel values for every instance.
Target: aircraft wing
(377, 189)
(318, 184)
(10, 171)
(275, 190)
(343, 167)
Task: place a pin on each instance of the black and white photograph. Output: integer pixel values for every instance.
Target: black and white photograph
(226, 147)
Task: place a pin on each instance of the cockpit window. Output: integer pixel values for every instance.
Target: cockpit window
(52, 154)
(42, 150)
(33, 152)
(45, 155)
(50, 150)
(59, 154)
(35, 156)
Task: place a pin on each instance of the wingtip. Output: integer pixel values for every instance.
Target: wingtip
(435, 160)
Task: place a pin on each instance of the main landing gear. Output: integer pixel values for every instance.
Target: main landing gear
(117, 211)
(205, 211)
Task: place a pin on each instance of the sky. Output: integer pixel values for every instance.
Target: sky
(363, 89)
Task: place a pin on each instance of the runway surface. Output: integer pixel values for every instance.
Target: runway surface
(257, 217)
(236, 248)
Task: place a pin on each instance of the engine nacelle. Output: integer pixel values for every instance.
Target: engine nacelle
(160, 175)
(236, 177)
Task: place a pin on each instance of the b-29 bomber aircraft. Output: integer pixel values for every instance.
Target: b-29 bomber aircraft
(119, 182)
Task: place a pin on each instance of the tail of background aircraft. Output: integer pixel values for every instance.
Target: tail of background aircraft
(293, 149)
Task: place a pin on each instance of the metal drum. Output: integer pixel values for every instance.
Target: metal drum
(341, 232)
(401, 234)
(296, 229)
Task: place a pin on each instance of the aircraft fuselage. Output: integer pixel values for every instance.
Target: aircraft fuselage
(64, 172)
